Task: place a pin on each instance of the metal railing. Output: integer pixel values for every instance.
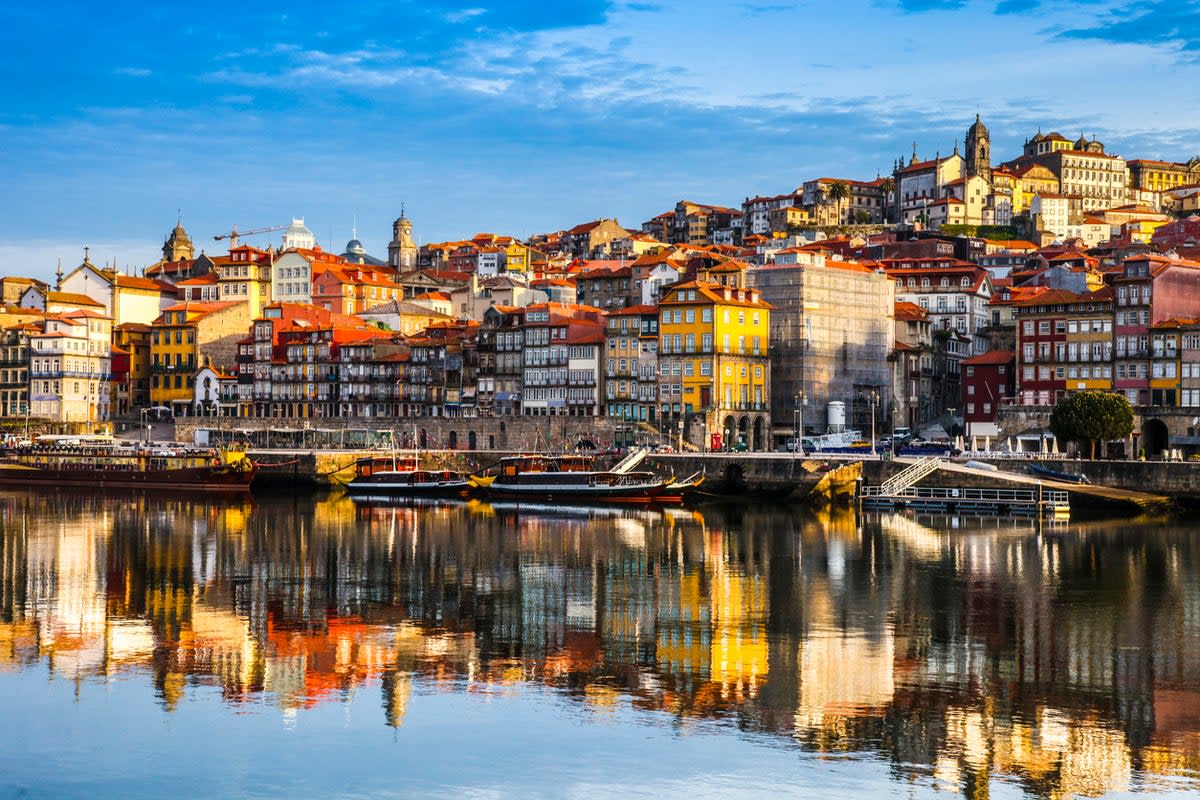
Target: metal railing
(908, 476)
(1050, 496)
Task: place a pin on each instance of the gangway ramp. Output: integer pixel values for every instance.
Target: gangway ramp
(910, 475)
(1080, 493)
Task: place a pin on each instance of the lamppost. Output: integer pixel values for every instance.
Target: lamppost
(144, 427)
(872, 399)
(800, 400)
(680, 425)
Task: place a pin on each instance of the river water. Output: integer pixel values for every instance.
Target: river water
(190, 647)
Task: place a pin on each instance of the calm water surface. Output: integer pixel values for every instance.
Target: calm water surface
(188, 647)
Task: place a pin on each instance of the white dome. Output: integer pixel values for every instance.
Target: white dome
(298, 237)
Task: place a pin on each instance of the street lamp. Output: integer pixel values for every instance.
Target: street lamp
(872, 399)
(144, 427)
(680, 434)
(801, 400)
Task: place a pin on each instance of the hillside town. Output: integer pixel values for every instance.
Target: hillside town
(958, 295)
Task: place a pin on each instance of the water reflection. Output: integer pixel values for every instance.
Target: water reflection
(1066, 661)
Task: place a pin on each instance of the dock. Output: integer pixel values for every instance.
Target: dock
(1008, 492)
(966, 500)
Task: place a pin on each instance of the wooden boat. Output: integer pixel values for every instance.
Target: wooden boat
(679, 490)
(102, 462)
(569, 477)
(1054, 475)
(402, 476)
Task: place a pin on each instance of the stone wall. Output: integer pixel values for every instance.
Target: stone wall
(458, 433)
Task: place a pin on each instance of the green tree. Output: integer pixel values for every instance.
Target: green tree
(1092, 417)
(887, 186)
(838, 192)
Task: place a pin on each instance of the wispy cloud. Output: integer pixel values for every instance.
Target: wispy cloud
(1016, 6)
(1159, 23)
(762, 9)
(921, 6)
(133, 72)
(464, 15)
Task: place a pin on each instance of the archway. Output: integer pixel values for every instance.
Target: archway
(453, 440)
(423, 439)
(727, 431)
(1155, 437)
(758, 435)
(744, 431)
(471, 440)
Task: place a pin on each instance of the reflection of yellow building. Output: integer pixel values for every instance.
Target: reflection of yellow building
(739, 623)
(683, 634)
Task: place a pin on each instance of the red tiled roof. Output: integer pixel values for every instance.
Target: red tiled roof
(992, 357)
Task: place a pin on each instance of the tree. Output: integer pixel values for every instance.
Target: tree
(838, 192)
(1091, 417)
(887, 186)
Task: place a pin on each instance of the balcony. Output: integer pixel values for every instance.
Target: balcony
(179, 368)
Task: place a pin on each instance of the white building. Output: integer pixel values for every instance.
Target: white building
(124, 297)
(1051, 213)
(70, 370)
(661, 275)
(298, 237)
(291, 278)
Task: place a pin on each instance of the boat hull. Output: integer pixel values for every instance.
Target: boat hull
(221, 478)
(651, 493)
(359, 487)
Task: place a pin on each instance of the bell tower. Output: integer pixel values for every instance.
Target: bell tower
(178, 246)
(402, 250)
(979, 151)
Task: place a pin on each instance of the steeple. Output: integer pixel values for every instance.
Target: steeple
(58, 276)
(402, 250)
(178, 246)
(979, 150)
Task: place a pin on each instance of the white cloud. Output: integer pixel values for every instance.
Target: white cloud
(133, 72)
(464, 15)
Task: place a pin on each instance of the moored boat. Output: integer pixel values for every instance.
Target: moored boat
(102, 462)
(403, 476)
(572, 477)
(1055, 475)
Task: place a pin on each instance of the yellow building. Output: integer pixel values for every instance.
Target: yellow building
(245, 276)
(1089, 341)
(184, 338)
(131, 345)
(1030, 182)
(714, 370)
(1166, 367)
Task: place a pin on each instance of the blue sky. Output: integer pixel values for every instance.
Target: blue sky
(521, 116)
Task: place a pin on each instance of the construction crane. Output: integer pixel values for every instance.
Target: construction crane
(233, 235)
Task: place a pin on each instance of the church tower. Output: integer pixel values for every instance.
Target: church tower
(979, 151)
(402, 250)
(178, 246)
